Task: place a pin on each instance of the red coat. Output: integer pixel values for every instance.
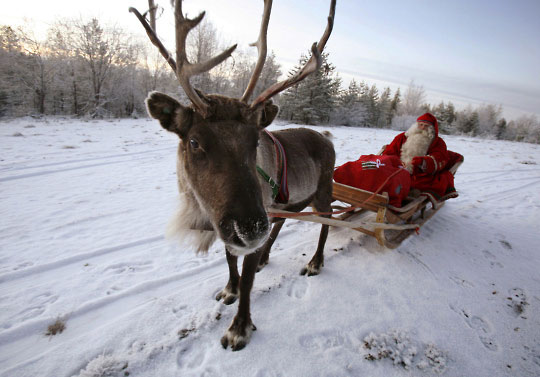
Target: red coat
(437, 183)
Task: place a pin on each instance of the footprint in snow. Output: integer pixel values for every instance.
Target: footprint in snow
(517, 300)
(179, 310)
(322, 341)
(41, 302)
(480, 326)
(129, 267)
(23, 265)
(461, 282)
(489, 255)
(191, 360)
(506, 244)
(298, 288)
(492, 259)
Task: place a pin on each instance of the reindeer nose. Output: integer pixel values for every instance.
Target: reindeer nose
(245, 233)
(251, 229)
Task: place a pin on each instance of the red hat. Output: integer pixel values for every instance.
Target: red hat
(430, 119)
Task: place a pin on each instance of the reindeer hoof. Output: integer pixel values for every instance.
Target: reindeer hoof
(261, 265)
(227, 296)
(310, 270)
(238, 336)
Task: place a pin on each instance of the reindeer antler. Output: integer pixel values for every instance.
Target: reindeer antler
(311, 66)
(261, 45)
(184, 69)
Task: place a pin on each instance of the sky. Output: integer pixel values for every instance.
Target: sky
(467, 52)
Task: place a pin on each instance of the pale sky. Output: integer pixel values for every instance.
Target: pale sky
(465, 51)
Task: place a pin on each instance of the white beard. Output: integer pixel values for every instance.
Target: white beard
(417, 143)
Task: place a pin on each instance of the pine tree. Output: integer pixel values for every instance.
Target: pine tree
(395, 102)
(312, 100)
(384, 109)
(500, 131)
(349, 110)
(372, 97)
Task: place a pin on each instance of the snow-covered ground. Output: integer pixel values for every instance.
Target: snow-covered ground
(83, 212)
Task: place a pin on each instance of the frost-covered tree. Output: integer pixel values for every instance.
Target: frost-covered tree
(25, 72)
(202, 44)
(396, 100)
(500, 129)
(241, 72)
(12, 57)
(313, 99)
(349, 110)
(526, 128)
(384, 109)
(466, 122)
(488, 116)
(100, 49)
(413, 100)
(370, 98)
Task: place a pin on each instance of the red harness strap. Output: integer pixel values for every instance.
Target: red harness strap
(281, 165)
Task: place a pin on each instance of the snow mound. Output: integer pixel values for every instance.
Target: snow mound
(103, 366)
(397, 346)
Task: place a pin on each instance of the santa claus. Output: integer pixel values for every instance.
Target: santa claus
(426, 157)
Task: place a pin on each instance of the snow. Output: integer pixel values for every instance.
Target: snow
(84, 208)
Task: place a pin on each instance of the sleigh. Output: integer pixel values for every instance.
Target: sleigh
(371, 213)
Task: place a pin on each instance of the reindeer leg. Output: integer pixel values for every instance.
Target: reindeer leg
(265, 249)
(322, 203)
(317, 261)
(239, 332)
(229, 294)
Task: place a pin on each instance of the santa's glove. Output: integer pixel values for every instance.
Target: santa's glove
(423, 164)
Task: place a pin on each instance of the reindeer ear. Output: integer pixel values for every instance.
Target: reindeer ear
(263, 114)
(171, 114)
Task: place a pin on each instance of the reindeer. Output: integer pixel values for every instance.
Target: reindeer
(227, 165)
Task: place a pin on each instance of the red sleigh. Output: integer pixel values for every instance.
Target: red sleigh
(391, 225)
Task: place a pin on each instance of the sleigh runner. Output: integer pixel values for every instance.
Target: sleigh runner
(392, 225)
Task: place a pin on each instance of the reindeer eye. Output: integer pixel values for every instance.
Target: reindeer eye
(194, 143)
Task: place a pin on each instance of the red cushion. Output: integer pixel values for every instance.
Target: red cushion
(369, 172)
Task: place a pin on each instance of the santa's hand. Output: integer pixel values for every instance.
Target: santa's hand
(423, 164)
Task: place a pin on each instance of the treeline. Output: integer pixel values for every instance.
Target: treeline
(320, 98)
(83, 68)
(87, 69)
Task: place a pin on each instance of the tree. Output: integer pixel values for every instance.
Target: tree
(370, 99)
(99, 50)
(412, 102)
(25, 72)
(349, 110)
(526, 128)
(203, 44)
(385, 109)
(313, 99)
(396, 100)
(488, 116)
(467, 121)
(11, 60)
(500, 129)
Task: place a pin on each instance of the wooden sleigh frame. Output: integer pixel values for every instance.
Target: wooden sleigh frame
(405, 220)
(391, 226)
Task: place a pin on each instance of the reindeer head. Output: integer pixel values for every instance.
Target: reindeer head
(217, 157)
(219, 135)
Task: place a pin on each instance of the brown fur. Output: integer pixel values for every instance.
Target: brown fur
(221, 189)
